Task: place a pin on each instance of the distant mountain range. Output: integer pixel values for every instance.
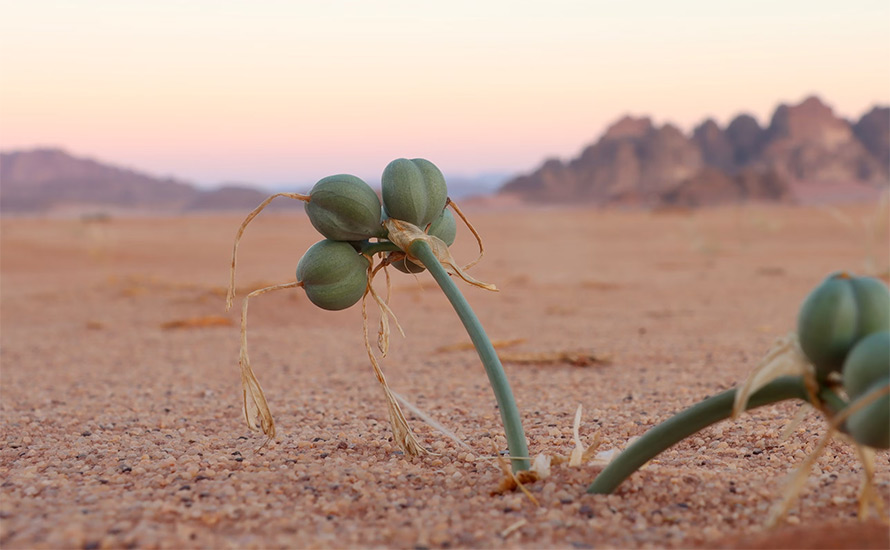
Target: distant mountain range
(52, 180)
(44, 180)
(805, 153)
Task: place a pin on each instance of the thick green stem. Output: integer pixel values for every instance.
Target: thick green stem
(695, 418)
(516, 441)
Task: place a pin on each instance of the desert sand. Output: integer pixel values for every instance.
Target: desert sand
(121, 400)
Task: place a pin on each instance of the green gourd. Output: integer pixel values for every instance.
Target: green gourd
(838, 313)
(414, 191)
(445, 228)
(345, 208)
(868, 362)
(866, 369)
(870, 425)
(333, 274)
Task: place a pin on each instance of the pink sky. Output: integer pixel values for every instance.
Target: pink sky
(287, 92)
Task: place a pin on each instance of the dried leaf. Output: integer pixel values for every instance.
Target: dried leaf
(511, 481)
(429, 420)
(466, 346)
(578, 451)
(513, 528)
(198, 322)
(402, 234)
(541, 465)
(784, 358)
(574, 358)
(402, 434)
(230, 294)
(256, 409)
(472, 230)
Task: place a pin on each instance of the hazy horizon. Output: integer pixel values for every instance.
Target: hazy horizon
(285, 93)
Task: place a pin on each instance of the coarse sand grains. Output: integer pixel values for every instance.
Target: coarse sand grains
(121, 409)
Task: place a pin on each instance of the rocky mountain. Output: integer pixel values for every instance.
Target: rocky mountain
(638, 163)
(43, 180)
(873, 130)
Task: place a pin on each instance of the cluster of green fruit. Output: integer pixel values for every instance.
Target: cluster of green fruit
(844, 331)
(348, 213)
(411, 230)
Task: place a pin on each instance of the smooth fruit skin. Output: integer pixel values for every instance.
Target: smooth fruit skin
(333, 274)
(836, 315)
(826, 324)
(870, 426)
(445, 228)
(345, 208)
(414, 191)
(873, 299)
(868, 362)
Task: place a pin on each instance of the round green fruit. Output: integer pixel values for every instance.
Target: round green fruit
(345, 208)
(837, 314)
(444, 227)
(333, 274)
(873, 300)
(868, 362)
(414, 191)
(870, 425)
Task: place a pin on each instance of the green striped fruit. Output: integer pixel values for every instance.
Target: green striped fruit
(868, 362)
(870, 425)
(445, 228)
(333, 274)
(836, 315)
(414, 191)
(867, 369)
(345, 208)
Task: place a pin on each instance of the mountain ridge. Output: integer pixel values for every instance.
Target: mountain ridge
(804, 150)
(635, 162)
(44, 179)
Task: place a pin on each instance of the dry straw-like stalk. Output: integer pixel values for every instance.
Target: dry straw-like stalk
(402, 434)
(256, 409)
(796, 483)
(784, 358)
(472, 229)
(230, 294)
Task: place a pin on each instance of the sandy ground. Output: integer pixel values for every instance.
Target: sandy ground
(121, 415)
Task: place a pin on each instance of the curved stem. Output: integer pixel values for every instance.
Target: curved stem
(695, 418)
(516, 441)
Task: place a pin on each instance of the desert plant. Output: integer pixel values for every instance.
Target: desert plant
(411, 230)
(843, 349)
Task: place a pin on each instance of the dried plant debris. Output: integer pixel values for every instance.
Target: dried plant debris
(256, 409)
(867, 495)
(467, 346)
(784, 358)
(198, 322)
(402, 434)
(575, 358)
(403, 234)
(513, 528)
(541, 466)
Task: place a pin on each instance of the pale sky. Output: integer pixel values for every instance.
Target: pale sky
(278, 92)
